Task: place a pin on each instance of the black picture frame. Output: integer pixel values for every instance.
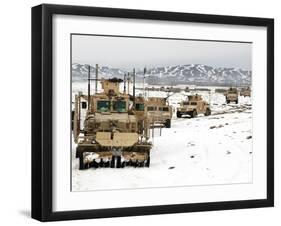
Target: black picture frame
(42, 111)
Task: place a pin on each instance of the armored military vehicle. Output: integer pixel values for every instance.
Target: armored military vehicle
(193, 106)
(112, 135)
(231, 95)
(246, 92)
(139, 108)
(158, 111)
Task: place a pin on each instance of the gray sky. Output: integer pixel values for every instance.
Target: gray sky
(127, 53)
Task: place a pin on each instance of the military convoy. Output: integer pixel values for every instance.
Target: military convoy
(113, 133)
(193, 106)
(112, 128)
(231, 95)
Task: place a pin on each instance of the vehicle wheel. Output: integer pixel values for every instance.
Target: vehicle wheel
(118, 162)
(147, 164)
(208, 112)
(81, 162)
(236, 101)
(168, 123)
(193, 114)
(78, 152)
(178, 114)
(112, 162)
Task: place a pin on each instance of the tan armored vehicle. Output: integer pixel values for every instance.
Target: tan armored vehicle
(139, 108)
(231, 95)
(193, 106)
(112, 134)
(246, 92)
(158, 111)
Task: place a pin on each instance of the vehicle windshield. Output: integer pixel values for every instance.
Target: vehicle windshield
(103, 105)
(165, 109)
(150, 108)
(119, 106)
(192, 103)
(139, 107)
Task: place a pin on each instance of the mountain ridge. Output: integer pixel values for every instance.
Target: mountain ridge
(197, 74)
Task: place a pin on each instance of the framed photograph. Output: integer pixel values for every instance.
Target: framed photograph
(145, 112)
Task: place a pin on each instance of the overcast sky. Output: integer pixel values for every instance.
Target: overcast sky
(127, 53)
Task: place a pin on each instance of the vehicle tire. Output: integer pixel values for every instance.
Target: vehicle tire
(208, 112)
(118, 162)
(178, 114)
(78, 152)
(236, 101)
(193, 114)
(112, 162)
(81, 162)
(147, 164)
(168, 123)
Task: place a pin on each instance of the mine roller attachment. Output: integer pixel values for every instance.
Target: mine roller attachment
(107, 160)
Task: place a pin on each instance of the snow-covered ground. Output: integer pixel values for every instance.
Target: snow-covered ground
(201, 151)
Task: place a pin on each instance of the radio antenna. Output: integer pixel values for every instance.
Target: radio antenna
(89, 86)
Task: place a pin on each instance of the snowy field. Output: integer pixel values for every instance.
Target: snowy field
(201, 151)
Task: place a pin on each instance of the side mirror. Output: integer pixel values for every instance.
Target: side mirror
(72, 120)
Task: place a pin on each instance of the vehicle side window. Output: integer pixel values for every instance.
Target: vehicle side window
(84, 104)
(139, 107)
(150, 108)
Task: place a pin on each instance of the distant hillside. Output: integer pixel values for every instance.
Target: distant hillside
(197, 74)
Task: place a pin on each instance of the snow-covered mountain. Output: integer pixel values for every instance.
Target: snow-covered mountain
(197, 74)
(80, 71)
